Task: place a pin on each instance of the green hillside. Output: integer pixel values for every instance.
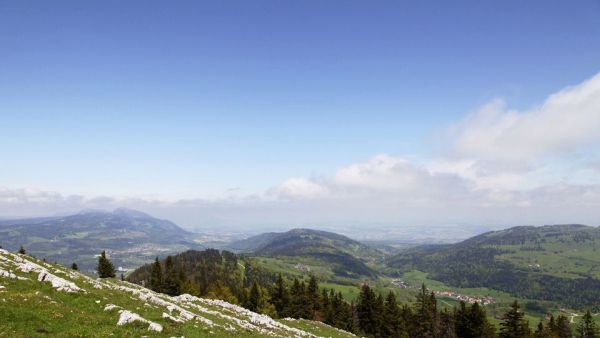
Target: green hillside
(130, 237)
(558, 263)
(38, 299)
(344, 256)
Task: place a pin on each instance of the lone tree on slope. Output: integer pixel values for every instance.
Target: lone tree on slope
(74, 266)
(105, 267)
(22, 250)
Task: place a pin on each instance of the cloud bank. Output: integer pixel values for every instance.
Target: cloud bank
(500, 166)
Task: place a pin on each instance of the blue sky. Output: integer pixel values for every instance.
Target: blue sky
(230, 99)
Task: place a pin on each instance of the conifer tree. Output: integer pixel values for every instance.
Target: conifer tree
(312, 295)
(324, 305)
(552, 324)
(539, 331)
(74, 266)
(447, 325)
(425, 314)
(331, 310)
(587, 327)
(379, 315)
(513, 324)
(345, 317)
(22, 250)
(542, 331)
(479, 323)
(343, 313)
(280, 297)
(171, 280)
(462, 323)
(299, 305)
(563, 328)
(366, 311)
(105, 268)
(155, 281)
(392, 322)
(254, 298)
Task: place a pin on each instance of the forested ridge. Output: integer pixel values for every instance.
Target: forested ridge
(224, 275)
(481, 262)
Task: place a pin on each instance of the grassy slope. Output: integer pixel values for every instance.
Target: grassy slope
(30, 308)
(569, 251)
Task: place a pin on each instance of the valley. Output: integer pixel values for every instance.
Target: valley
(469, 270)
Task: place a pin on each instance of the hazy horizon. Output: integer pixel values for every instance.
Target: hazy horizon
(332, 115)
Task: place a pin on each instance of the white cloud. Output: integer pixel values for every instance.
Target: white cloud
(297, 187)
(566, 120)
(382, 172)
(503, 166)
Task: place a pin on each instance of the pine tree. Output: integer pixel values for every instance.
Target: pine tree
(379, 315)
(254, 298)
(447, 328)
(280, 297)
(425, 314)
(155, 280)
(542, 331)
(332, 310)
(513, 324)
(392, 324)
(343, 313)
(299, 305)
(408, 318)
(587, 327)
(325, 305)
(22, 250)
(74, 266)
(461, 317)
(105, 268)
(345, 316)
(366, 311)
(539, 331)
(312, 294)
(552, 324)
(563, 328)
(171, 280)
(479, 323)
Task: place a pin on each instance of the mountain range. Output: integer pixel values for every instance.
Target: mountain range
(130, 237)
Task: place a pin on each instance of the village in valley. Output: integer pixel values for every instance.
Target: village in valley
(483, 300)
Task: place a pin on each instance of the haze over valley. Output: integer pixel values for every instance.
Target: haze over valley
(377, 169)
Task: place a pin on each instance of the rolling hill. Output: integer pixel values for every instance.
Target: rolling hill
(346, 256)
(40, 299)
(559, 263)
(130, 237)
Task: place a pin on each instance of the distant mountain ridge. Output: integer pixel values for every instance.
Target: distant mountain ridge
(130, 236)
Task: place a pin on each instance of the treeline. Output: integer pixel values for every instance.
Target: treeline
(223, 275)
(379, 317)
